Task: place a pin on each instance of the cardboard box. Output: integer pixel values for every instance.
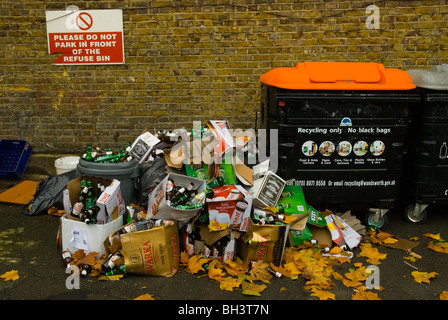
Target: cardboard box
(153, 252)
(76, 234)
(244, 220)
(267, 189)
(157, 207)
(293, 200)
(264, 242)
(110, 202)
(229, 208)
(143, 145)
(88, 237)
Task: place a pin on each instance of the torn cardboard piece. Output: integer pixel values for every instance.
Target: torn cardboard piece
(299, 231)
(21, 193)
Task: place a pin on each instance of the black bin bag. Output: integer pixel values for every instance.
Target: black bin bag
(49, 193)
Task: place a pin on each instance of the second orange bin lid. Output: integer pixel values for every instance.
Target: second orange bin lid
(338, 76)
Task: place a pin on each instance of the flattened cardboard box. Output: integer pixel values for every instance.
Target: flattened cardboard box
(153, 252)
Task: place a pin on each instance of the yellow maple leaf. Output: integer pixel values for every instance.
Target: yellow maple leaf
(335, 250)
(439, 247)
(433, 236)
(410, 258)
(444, 295)
(252, 289)
(365, 295)
(291, 269)
(354, 278)
(259, 272)
(372, 254)
(390, 240)
(337, 276)
(289, 219)
(230, 283)
(10, 275)
(78, 256)
(145, 296)
(235, 268)
(115, 277)
(322, 294)
(195, 263)
(413, 238)
(214, 270)
(184, 258)
(423, 276)
(383, 235)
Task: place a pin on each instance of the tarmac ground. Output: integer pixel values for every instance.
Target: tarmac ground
(28, 244)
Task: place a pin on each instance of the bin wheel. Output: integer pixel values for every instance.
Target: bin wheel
(412, 214)
(382, 221)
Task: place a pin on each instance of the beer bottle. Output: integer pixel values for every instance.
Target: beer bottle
(119, 270)
(88, 155)
(86, 269)
(199, 198)
(183, 198)
(92, 213)
(84, 216)
(189, 206)
(111, 261)
(84, 190)
(164, 223)
(274, 273)
(100, 187)
(77, 209)
(108, 157)
(91, 196)
(127, 148)
(169, 191)
(67, 257)
(178, 194)
(190, 189)
(128, 228)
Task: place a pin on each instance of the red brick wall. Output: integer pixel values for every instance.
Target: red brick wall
(191, 60)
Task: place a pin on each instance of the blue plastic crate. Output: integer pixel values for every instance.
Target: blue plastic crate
(14, 157)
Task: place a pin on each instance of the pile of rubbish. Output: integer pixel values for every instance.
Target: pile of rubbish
(200, 193)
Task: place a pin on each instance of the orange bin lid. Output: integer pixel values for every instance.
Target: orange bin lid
(338, 76)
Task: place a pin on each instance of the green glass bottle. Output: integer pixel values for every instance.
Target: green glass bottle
(88, 156)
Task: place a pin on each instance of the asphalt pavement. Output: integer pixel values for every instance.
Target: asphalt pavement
(28, 245)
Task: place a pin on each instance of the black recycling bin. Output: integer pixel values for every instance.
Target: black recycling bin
(341, 129)
(426, 161)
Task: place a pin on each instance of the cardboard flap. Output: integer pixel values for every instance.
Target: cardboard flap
(300, 223)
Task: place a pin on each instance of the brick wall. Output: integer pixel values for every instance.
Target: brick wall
(191, 60)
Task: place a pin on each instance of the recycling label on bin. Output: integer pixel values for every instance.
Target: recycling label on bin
(340, 147)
